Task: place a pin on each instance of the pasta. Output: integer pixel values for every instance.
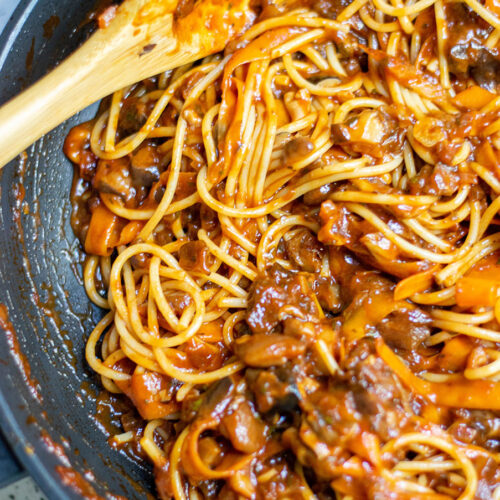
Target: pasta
(297, 244)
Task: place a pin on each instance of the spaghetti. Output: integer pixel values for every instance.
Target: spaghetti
(297, 243)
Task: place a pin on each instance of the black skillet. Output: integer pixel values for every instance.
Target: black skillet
(40, 285)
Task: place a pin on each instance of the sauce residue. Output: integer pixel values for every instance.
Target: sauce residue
(55, 448)
(30, 56)
(19, 357)
(50, 26)
(48, 306)
(19, 192)
(80, 485)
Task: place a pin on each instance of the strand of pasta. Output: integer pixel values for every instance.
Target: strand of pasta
(130, 143)
(410, 248)
(89, 271)
(450, 448)
(286, 197)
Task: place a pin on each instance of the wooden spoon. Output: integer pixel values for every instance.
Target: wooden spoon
(145, 38)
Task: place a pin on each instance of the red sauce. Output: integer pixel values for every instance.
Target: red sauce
(104, 20)
(80, 485)
(54, 448)
(50, 26)
(15, 350)
(30, 56)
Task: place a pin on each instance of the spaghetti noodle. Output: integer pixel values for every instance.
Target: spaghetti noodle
(297, 243)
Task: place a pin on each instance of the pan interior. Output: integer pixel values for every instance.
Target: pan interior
(41, 285)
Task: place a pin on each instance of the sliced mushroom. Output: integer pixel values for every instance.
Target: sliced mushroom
(244, 429)
(364, 133)
(297, 148)
(113, 176)
(193, 256)
(263, 350)
(144, 166)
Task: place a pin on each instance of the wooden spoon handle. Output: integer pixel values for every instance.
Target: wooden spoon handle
(101, 66)
(128, 50)
(144, 39)
(39, 109)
